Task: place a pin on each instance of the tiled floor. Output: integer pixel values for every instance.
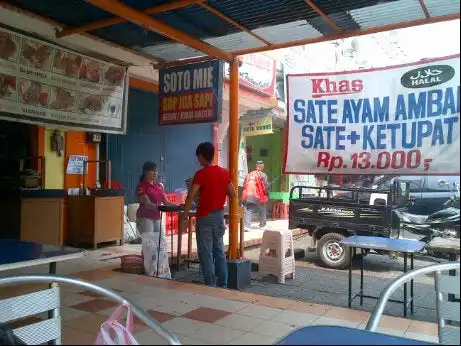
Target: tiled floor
(204, 315)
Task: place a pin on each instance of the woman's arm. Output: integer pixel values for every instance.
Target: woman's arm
(144, 200)
(167, 202)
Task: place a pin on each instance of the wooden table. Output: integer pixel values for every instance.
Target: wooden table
(192, 215)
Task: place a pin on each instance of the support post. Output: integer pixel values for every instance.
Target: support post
(233, 157)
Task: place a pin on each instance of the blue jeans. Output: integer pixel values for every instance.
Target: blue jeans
(210, 244)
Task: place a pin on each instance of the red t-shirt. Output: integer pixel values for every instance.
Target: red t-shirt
(155, 193)
(213, 181)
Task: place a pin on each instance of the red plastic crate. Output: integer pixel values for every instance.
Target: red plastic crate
(174, 198)
(172, 219)
(172, 222)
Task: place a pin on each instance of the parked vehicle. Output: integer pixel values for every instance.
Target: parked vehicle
(444, 223)
(332, 214)
(426, 193)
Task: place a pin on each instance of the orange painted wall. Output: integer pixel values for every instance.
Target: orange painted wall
(76, 145)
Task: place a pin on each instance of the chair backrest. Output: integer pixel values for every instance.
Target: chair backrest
(448, 309)
(32, 304)
(39, 302)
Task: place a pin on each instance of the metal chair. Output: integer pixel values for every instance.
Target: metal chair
(447, 288)
(49, 330)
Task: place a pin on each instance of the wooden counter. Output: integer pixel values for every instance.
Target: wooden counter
(93, 220)
(34, 215)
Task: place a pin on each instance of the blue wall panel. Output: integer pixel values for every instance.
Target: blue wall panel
(171, 147)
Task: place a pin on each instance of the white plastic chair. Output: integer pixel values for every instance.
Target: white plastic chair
(49, 330)
(447, 309)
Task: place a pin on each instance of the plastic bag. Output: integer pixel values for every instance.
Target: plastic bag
(155, 253)
(114, 333)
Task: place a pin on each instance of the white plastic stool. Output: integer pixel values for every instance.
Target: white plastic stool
(277, 255)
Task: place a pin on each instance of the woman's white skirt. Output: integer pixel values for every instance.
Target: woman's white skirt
(154, 248)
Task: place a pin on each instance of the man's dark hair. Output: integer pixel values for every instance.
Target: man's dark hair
(205, 149)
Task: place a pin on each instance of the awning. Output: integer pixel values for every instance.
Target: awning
(182, 29)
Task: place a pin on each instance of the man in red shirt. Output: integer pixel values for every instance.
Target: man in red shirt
(213, 184)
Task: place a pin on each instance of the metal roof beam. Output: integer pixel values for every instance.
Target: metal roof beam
(233, 22)
(424, 8)
(182, 62)
(322, 14)
(70, 40)
(119, 9)
(116, 20)
(348, 34)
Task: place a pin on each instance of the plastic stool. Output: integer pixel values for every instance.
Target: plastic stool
(277, 255)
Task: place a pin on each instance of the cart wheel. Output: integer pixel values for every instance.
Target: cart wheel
(332, 254)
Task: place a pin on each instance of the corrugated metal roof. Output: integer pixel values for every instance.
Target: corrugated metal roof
(69, 12)
(174, 51)
(197, 22)
(130, 35)
(442, 7)
(298, 30)
(388, 13)
(276, 21)
(260, 13)
(239, 40)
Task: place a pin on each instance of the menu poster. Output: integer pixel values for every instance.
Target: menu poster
(75, 164)
(44, 84)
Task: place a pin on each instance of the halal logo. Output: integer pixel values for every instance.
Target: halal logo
(428, 76)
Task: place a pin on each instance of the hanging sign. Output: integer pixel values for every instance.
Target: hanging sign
(393, 120)
(243, 163)
(257, 72)
(45, 84)
(191, 94)
(256, 123)
(75, 164)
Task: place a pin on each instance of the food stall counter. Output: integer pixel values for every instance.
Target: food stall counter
(33, 215)
(96, 218)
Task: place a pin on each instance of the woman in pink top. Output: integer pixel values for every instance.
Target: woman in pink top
(149, 222)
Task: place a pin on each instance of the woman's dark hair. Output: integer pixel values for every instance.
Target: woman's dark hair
(147, 167)
(206, 150)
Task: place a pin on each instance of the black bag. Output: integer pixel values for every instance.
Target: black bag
(7, 337)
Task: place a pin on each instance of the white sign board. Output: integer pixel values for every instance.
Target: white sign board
(75, 164)
(243, 163)
(44, 84)
(394, 120)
